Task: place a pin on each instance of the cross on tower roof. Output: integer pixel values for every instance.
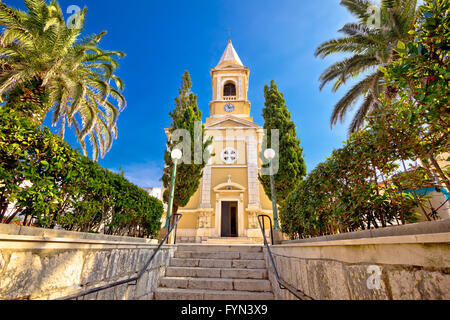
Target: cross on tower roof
(229, 34)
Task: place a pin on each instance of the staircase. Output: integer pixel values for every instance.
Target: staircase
(231, 241)
(216, 272)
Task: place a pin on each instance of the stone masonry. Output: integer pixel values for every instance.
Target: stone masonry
(216, 272)
(391, 264)
(47, 267)
(415, 267)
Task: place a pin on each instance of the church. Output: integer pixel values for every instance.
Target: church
(230, 197)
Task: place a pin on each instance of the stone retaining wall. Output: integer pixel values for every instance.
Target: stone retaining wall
(441, 226)
(50, 264)
(413, 267)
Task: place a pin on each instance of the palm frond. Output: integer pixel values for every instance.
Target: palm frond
(37, 48)
(369, 48)
(351, 97)
(348, 68)
(363, 111)
(357, 7)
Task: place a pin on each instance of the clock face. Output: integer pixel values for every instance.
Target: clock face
(229, 108)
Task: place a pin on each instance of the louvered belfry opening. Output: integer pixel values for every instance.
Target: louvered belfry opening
(229, 90)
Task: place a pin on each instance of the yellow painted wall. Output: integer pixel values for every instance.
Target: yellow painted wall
(266, 203)
(189, 220)
(239, 146)
(220, 175)
(194, 203)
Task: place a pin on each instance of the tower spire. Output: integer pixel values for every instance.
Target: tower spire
(230, 55)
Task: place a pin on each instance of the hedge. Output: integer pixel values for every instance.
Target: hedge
(351, 191)
(50, 184)
(359, 186)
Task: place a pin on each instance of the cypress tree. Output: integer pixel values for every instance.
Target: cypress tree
(184, 116)
(292, 167)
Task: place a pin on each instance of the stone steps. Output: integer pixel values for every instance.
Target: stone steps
(217, 284)
(232, 273)
(193, 295)
(220, 248)
(216, 272)
(220, 255)
(219, 263)
(226, 241)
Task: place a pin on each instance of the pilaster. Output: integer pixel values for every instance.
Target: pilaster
(206, 188)
(253, 183)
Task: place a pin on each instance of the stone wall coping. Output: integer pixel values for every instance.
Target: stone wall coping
(437, 238)
(33, 242)
(22, 231)
(428, 250)
(432, 227)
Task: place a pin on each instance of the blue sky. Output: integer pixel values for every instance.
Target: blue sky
(276, 39)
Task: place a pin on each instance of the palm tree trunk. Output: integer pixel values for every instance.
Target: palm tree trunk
(62, 132)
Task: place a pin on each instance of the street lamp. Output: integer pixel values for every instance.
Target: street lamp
(176, 156)
(270, 154)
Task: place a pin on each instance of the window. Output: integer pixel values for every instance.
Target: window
(229, 90)
(229, 156)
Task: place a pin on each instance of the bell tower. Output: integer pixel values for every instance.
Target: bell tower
(230, 80)
(230, 196)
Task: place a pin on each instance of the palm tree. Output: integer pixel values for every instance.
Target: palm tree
(46, 65)
(370, 48)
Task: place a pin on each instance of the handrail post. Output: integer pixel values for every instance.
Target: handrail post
(176, 227)
(274, 197)
(172, 193)
(176, 156)
(296, 293)
(264, 226)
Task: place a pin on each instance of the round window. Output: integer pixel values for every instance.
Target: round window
(229, 156)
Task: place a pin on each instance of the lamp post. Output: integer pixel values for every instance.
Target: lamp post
(270, 154)
(176, 156)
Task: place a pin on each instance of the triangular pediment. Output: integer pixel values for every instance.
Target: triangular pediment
(229, 187)
(231, 122)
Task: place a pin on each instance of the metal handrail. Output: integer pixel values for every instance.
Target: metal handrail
(283, 284)
(178, 216)
(133, 279)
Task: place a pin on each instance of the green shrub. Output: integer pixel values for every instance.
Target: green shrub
(52, 184)
(359, 186)
(350, 191)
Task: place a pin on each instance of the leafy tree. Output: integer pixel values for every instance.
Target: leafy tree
(417, 118)
(45, 64)
(360, 186)
(34, 168)
(369, 48)
(189, 173)
(47, 183)
(292, 167)
(350, 191)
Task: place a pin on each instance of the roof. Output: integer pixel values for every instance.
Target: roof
(230, 55)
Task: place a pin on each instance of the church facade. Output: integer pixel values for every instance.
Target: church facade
(230, 196)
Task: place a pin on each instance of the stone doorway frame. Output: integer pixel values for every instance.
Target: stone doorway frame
(231, 205)
(229, 192)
